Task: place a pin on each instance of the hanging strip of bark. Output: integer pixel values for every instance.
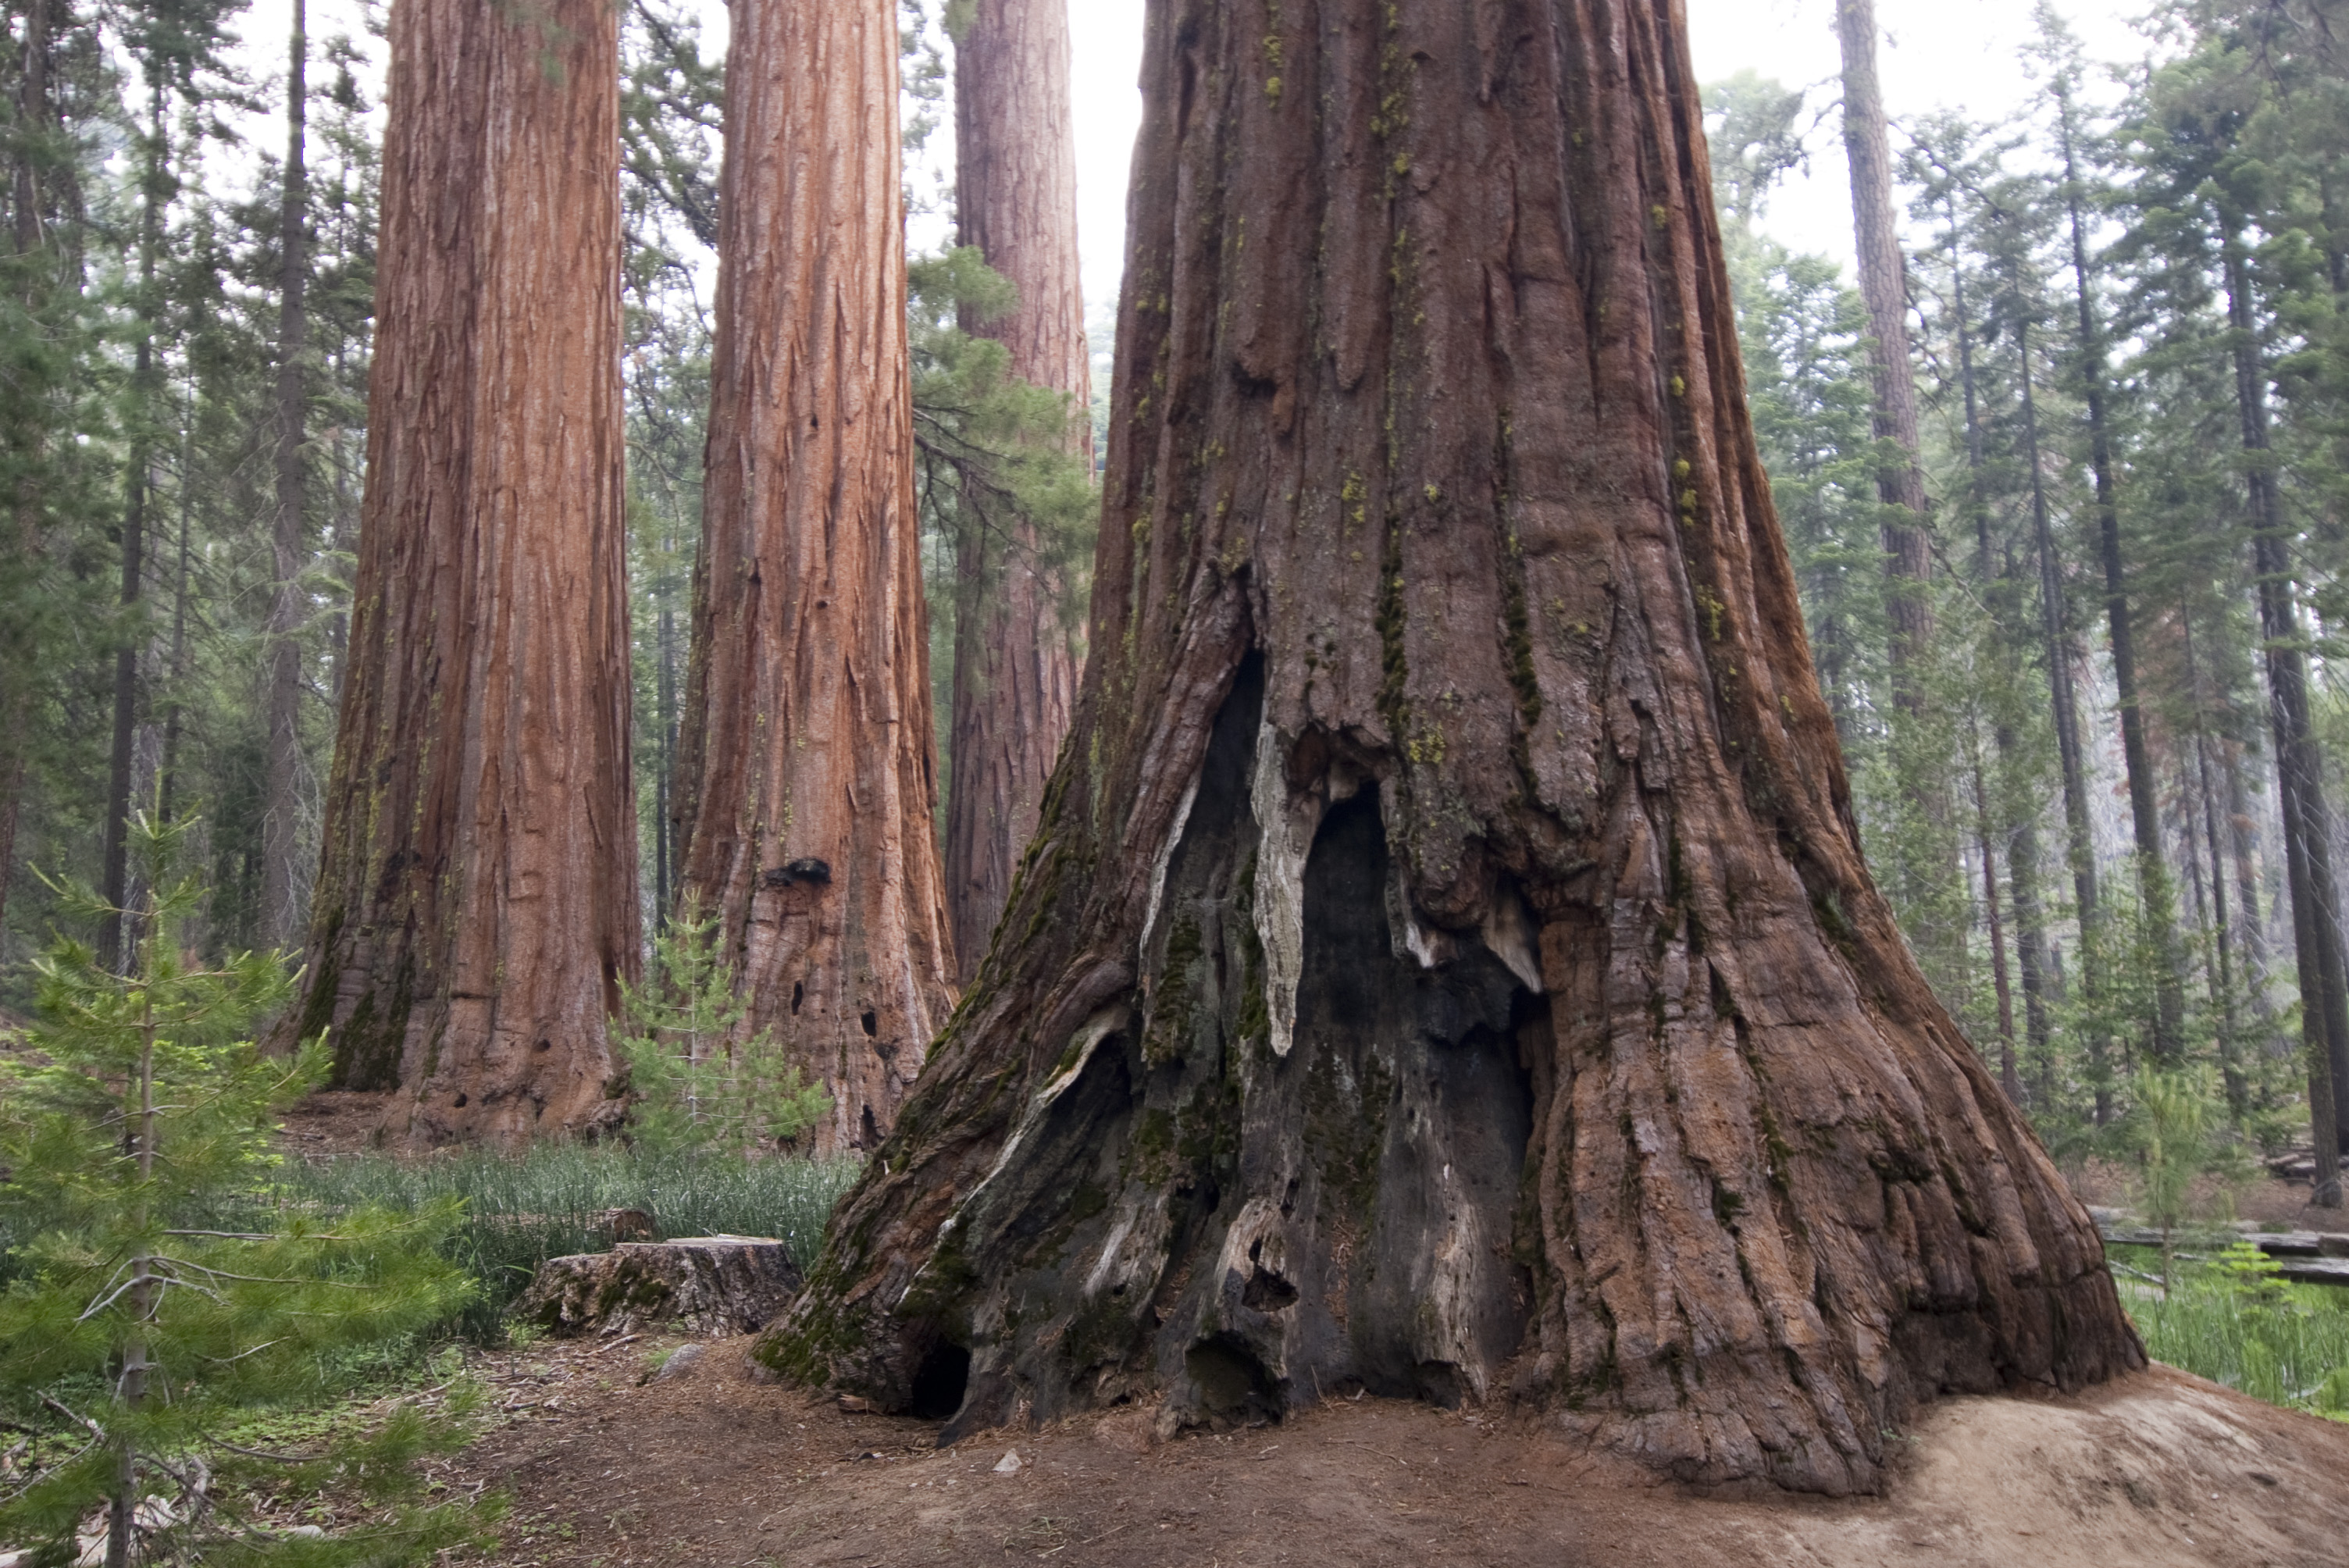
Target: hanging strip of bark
(805, 783)
(281, 803)
(1015, 670)
(1446, 967)
(476, 905)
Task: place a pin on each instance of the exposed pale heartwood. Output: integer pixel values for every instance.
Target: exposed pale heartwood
(805, 777)
(476, 905)
(1447, 966)
(1015, 671)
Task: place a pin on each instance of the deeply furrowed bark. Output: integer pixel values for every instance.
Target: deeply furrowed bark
(805, 782)
(476, 905)
(1447, 966)
(1015, 670)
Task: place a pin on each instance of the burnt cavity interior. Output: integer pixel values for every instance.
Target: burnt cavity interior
(940, 1381)
(1197, 1219)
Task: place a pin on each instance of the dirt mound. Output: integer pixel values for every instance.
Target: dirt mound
(710, 1468)
(335, 1121)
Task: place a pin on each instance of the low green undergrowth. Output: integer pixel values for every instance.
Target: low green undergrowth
(520, 1210)
(2232, 1320)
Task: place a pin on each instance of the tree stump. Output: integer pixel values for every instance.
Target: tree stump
(707, 1284)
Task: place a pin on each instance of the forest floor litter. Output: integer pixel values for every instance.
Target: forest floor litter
(617, 1457)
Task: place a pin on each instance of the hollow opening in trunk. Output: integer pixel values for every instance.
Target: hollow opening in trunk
(941, 1382)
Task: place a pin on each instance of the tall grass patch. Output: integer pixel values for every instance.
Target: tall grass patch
(521, 1210)
(2231, 1320)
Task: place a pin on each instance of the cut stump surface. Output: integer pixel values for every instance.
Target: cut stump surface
(704, 1285)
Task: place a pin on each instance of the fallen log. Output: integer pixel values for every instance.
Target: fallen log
(707, 1284)
(2304, 1257)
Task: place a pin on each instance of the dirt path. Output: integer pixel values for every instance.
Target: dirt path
(710, 1468)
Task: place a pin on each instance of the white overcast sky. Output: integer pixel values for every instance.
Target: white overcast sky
(1939, 54)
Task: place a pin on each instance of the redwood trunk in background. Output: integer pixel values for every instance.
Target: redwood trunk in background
(1884, 285)
(476, 905)
(805, 778)
(1447, 966)
(1900, 484)
(1015, 670)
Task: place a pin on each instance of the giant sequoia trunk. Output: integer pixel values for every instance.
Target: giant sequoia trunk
(1446, 966)
(805, 783)
(1015, 671)
(476, 905)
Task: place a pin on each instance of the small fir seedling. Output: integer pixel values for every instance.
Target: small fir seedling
(2177, 1141)
(158, 1298)
(701, 1084)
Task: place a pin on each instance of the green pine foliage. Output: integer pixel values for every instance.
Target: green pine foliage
(700, 1082)
(158, 1295)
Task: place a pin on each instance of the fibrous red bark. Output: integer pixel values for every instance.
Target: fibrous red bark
(1015, 670)
(805, 778)
(476, 905)
(1446, 966)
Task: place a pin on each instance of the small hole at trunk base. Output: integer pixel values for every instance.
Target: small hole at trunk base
(463, 1100)
(941, 1382)
(799, 995)
(1233, 1385)
(872, 1023)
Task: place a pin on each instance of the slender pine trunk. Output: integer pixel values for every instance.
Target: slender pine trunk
(2299, 770)
(2244, 854)
(1999, 588)
(2009, 1073)
(17, 655)
(280, 837)
(2064, 690)
(175, 690)
(2225, 999)
(115, 935)
(2156, 906)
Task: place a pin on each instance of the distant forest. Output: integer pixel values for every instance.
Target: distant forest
(2092, 697)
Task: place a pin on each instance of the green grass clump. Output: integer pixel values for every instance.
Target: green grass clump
(2233, 1321)
(520, 1210)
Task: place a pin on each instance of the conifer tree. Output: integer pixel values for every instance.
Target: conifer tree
(135, 1161)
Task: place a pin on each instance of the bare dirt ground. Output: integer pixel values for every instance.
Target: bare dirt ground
(333, 1121)
(2264, 1202)
(710, 1468)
